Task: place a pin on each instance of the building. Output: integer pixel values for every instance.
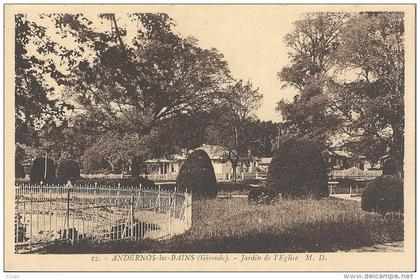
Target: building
(168, 168)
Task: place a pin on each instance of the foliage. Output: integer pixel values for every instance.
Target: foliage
(314, 43)
(34, 104)
(68, 170)
(116, 150)
(298, 170)
(389, 167)
(262, 195)
(290, 226)
(384, 194)
(38, 173)
(197, 175)
(349, 74)
(137, 86)
(19, 170)
(230, 131)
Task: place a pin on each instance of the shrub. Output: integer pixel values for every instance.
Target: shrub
(298, 170)
(384, 194)
(197, 175)
(38, 171)
(262, 195)
(68, 170)
(19, 170)
(138, 167)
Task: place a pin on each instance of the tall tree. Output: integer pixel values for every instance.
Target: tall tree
(314, 44)
(138, 84)
(349, 73)
(373, 47)
(230, 131)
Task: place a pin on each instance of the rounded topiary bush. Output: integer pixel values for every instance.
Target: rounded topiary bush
(68, 170)
(298, 170)
(262, 195)
(384, 194)
(19, 170)
(38, 171)
(197, 175)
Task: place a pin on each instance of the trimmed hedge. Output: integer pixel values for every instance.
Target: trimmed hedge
(384, 194)
(38, 170)
(262, 195)
(197, 175)
(138, 167)
(68, 170)
(298, 170)
(19, 170)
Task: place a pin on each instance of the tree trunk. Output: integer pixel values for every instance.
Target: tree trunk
(234, 166)
(112, 166)
(397, 149)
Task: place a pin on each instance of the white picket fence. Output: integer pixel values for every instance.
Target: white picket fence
(45, 214)
(355, 174)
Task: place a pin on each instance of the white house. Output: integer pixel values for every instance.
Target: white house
(169, 167)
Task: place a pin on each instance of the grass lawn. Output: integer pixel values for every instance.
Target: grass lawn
(233, 225)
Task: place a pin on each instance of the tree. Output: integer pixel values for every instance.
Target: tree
(117, 150)
(137, 85)
(363, 115)
(314, 43)
(33, 102)
(230, 130)
(373, 46)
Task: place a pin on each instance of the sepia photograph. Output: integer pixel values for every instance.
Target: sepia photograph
(234, 137)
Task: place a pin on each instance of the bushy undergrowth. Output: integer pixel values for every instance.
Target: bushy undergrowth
(68, 170)
(262, 195)
(38, 171)
(232, 225)
(19, 170)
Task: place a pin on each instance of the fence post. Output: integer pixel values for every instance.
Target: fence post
(30, 218)
(68, 214)
(169, 217)
(132, 212)
(158, 209)
(17, 219)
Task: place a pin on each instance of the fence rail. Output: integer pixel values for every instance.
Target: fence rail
(63, 213)
(171, 177)
(355, 174)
